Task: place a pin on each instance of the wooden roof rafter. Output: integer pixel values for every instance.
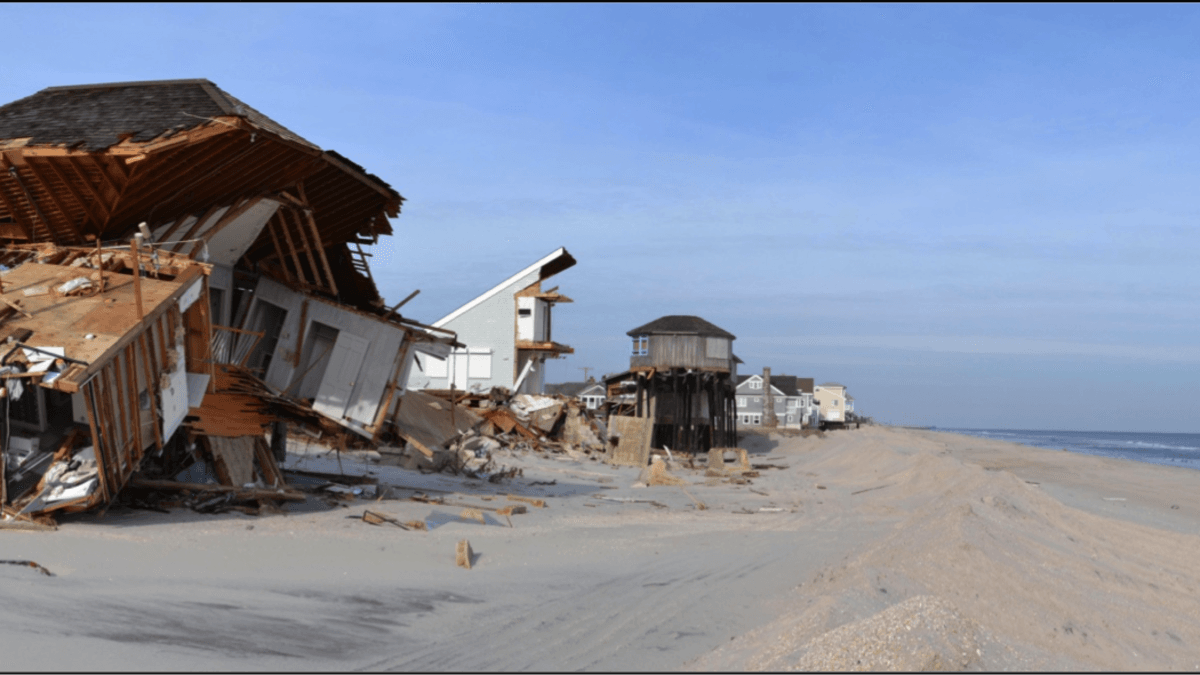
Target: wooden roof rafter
(148, 195)
(91, 190)
(160, 193)
(257, 175)
(88, 206)
(60, 208)
(18, 218)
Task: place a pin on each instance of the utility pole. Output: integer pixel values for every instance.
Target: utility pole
(585, 370)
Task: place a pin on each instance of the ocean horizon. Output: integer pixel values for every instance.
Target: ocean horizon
(1167, 449)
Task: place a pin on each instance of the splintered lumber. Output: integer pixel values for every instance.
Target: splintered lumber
(239, 492)
(540, 503)
(375, 518)
(511, 510)
(229, 415)
(233, 459)
(463, 554)
(473, 514)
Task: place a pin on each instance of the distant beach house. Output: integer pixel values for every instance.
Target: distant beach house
(792, 395)
(683, 368)
(591, 393)
(506, 332)
(830, 399)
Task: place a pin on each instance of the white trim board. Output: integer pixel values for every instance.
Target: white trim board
(558, 253)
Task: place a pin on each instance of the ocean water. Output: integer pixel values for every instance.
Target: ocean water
(1182, 450)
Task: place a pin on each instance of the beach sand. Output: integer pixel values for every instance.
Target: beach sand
(874, 549)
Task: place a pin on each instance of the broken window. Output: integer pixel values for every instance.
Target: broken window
(268, 320)
(215, 297)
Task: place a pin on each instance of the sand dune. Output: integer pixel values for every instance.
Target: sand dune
(1022, 581)
(869, 549)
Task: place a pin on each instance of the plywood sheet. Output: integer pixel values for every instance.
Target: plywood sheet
(234, 458)
(633, 446)
(426, 419)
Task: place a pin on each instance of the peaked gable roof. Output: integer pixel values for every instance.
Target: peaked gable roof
(679, 324)
(547, 267)
(786, 385)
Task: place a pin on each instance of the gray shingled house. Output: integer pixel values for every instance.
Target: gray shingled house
(793, 400)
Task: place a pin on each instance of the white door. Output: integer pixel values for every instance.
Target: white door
(340, 375)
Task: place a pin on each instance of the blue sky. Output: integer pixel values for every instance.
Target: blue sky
(976, 216)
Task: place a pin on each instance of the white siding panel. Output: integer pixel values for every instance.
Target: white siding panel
(480, 365)
(231, 243)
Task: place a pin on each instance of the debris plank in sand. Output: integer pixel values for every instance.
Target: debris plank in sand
(463, 554)
(633, 441)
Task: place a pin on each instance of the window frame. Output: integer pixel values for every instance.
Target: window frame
(641, 345)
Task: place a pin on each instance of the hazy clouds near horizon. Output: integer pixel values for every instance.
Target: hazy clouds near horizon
(971, 215)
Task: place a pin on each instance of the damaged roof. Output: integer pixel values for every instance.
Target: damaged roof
(86, 161)
(98, 116)
(677, 324)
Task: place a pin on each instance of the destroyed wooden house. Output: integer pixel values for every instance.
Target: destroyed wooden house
(684, 370)
(271, 225)
(97, 370)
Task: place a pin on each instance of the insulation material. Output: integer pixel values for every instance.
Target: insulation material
(175, 394)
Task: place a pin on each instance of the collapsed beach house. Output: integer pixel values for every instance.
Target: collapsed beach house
(179, 273)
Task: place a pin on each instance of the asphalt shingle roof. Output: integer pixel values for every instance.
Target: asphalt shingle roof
(681, 324)
(96, 116)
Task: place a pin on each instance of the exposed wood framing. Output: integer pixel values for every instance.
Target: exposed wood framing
(152, 389)
(89, 206)
(307, 247)
(316, 233)
(53, 193)
(81, 175)
(291, 247)
(93, 428)
(278, 248)
(135, 408)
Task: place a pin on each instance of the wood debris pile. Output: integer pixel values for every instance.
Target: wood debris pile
(459, 432)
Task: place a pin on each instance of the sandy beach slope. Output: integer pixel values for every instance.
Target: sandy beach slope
(869, 549)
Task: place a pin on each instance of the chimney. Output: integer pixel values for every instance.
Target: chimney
(768, 420)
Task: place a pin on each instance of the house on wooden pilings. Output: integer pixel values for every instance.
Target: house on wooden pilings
(685, 370)
(279, 222)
